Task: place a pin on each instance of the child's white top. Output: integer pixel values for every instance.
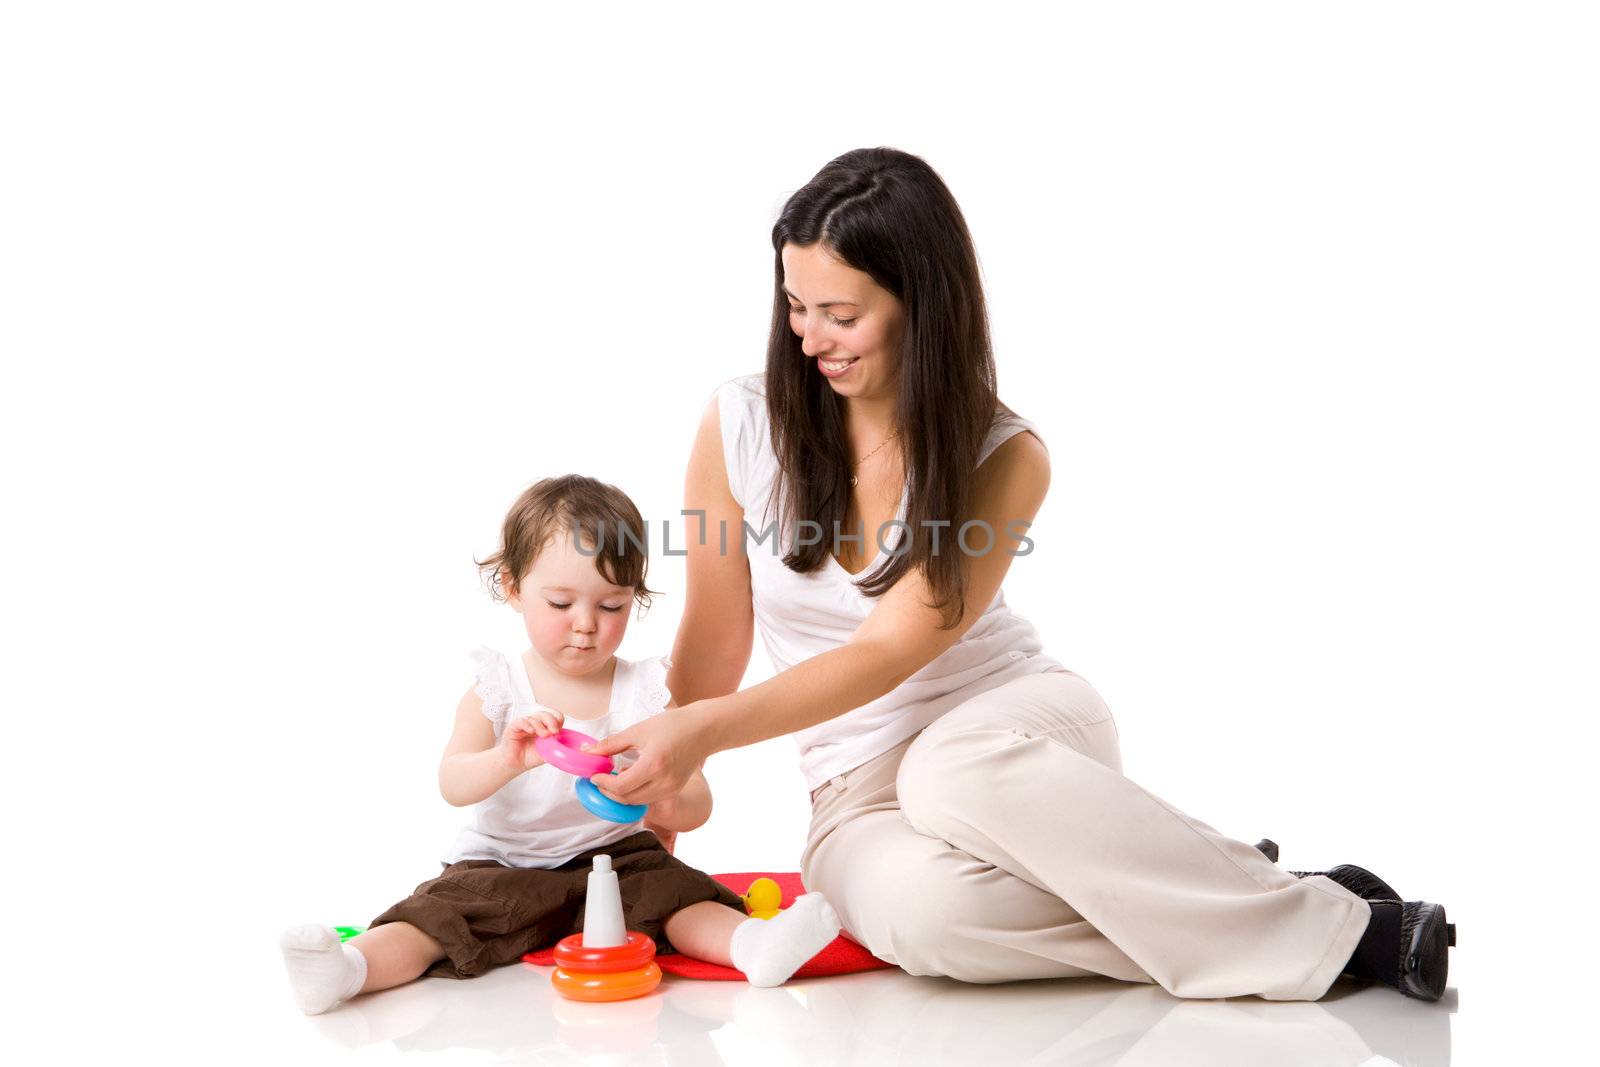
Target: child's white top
(802, 615)
(536, 820)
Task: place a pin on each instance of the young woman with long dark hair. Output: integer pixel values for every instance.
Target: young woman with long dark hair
(863, 500)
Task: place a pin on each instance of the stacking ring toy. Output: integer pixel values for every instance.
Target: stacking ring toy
(598, 803)
(617, 985)
(565, 750)
(572, 955)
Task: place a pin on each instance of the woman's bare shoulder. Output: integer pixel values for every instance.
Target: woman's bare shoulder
(1022, 457)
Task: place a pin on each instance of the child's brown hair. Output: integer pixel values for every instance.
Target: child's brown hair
(572, 505)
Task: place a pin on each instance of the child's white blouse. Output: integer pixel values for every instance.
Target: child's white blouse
(535, 820)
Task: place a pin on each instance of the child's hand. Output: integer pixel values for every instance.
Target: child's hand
(516, 743)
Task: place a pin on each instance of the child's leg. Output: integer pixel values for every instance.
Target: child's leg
(704, 931)
(396, 953)
(323, 972)
(768, 951)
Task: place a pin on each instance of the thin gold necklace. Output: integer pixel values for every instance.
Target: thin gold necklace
(869, 455)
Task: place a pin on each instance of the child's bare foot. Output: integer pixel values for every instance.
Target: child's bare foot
(322, 972)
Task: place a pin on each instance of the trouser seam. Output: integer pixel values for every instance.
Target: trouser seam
(1161, 804)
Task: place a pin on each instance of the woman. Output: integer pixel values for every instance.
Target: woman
(944, 750)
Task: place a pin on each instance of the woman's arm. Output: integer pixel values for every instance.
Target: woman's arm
(717, 630)
(898, 639)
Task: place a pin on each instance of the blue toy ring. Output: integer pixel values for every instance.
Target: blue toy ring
(606, 808)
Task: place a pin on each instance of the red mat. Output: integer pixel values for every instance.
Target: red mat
(842, 957)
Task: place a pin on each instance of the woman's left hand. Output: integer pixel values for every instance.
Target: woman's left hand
(671, 748)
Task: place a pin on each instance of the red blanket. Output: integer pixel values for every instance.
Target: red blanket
(842, 957)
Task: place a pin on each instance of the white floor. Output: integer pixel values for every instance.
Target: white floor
(512, 1016)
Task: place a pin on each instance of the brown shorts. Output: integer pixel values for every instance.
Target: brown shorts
(485, 914)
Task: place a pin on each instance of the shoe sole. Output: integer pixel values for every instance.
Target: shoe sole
(1425, 939)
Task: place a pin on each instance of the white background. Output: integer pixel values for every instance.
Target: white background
(296, 298)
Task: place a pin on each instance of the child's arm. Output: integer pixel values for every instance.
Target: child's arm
(688, 810)
(474, 766)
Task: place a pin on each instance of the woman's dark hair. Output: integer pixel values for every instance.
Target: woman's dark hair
(888, 214)
(612, 530)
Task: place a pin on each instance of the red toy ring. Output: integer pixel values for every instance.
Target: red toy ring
(572, 956)
(622, 985)
(564, 749)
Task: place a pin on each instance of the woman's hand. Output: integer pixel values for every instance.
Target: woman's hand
(516, 749)
(671, 748)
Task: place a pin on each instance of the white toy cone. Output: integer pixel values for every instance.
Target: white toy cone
(602, 908)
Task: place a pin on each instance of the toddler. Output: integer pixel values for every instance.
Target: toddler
(514, 880)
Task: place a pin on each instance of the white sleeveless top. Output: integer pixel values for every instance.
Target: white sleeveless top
(801, 615)
(536, 820)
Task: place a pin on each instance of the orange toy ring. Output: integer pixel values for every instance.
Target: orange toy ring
(620, 985)
(573, 957)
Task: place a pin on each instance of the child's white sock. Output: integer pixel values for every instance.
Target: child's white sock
(322, 972)
(769, 951)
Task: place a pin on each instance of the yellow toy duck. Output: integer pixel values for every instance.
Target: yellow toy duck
(764, 899)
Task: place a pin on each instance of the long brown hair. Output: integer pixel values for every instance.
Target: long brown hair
(888, 214)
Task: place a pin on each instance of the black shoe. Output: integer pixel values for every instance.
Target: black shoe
(1406, 946)
(1360, 881)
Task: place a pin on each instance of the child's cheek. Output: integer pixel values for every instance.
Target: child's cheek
(548, 630)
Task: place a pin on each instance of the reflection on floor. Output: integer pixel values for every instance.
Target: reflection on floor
(889, 1017)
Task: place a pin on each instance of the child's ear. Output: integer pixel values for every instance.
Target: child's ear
(512, 590)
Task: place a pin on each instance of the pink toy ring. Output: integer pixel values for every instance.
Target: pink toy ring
(563, 750)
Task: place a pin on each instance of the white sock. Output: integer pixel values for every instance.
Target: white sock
(769, 951)
(322, 972)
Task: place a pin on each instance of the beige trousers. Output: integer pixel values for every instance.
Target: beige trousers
(1003, 842)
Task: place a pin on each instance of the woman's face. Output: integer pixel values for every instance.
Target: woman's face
(846, 321)
(574, 617)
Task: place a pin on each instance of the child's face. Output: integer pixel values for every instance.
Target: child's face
(575, 618)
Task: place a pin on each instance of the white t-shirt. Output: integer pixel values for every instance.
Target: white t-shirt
(802, 615)
(536, 819)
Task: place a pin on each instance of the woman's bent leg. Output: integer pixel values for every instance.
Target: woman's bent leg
(914, 900)
(1026, 778)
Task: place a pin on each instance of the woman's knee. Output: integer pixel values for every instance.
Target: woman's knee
(954, 783)
(1056, 703)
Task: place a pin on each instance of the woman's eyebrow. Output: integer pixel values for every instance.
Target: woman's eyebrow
(824, 304)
